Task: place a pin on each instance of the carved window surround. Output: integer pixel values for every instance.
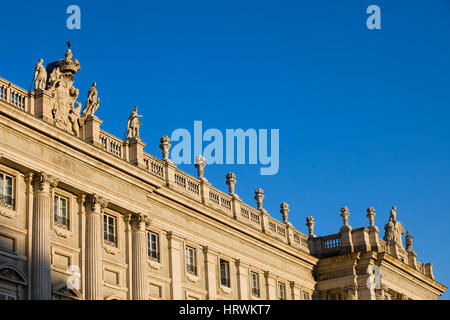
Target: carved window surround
(7, 210)
(191, 275)
(112, 248)
(60, 230)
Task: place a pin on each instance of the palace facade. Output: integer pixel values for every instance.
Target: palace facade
(86, 215)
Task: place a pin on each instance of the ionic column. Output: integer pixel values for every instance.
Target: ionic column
(139, 222)
(40, 274)
(95, 205)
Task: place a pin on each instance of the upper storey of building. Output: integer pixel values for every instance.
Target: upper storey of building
(54, 101)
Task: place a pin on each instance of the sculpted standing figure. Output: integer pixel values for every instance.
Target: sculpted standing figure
(133, 124)
(394, 229)
(409, 242)
(92, 102)
(40, 76)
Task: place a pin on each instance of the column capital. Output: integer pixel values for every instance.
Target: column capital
(97, 203)
(44, 182)
(139, 221)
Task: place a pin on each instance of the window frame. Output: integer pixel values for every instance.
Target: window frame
(227, 282)
(106, 233)
(3, 176)
(194, 270)
(255, 290)
(58, 195)
(157, 249)
(283, 286)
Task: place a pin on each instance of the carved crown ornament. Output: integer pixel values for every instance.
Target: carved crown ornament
(57, 80)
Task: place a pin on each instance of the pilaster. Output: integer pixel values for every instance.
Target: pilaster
(176, 263)
(242, 277)
(211, 258)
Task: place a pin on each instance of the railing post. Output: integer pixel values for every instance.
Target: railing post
(43, 106)
(264, 221)
(126, 150)
(8, 93)
(236, 208)
(204, 192)
(91, 130)
(136, 152)
(170, 174)
(289, 233)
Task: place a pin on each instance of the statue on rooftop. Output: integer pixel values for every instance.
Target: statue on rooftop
(394, 229)
(40, 76)
(74, 118)
(133, 124)
(409, 242)
(92, 101)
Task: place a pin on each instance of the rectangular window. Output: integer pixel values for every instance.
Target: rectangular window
(254, 277)
(60, 213)
(6, 190)
(153, 246)
(281, 291)
(191, 261)
(305, 296)
(224, 273)
(109, 228)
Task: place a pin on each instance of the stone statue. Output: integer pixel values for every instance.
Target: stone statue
(92, 102)
(409, 242)
(74, 118)
(394, 229)
(40, 76)
(133, 124)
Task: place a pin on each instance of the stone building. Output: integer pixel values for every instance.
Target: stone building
(86, 215)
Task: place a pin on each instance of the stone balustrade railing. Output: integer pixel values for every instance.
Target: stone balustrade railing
(111, 143)
(154, 165)
(200, 190)
(14, 95)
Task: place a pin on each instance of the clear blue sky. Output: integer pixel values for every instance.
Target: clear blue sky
(363, 114)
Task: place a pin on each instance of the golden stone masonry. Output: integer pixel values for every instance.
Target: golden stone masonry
(86, 215)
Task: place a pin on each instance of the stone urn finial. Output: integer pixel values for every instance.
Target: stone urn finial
(284, 210)
(165, 146)
(200, 165)
(310, 224)
(259, 196)
(344, 214)
(371, 216)
(231, 181)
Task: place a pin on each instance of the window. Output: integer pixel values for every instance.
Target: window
(254, 277)
(281, 291)
(191, 261)
(224, 273)
(153, 246)
(6, 190)
(6, 296)
(305, 296)
(60, 214)
(109, 228)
